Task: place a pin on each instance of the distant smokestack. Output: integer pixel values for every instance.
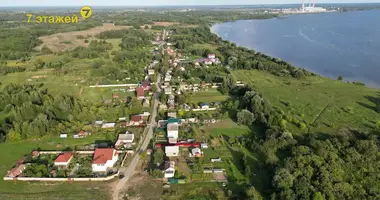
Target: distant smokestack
(303, 5)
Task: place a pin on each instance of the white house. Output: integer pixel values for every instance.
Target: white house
(63, 135)
(168, 90)
(108, 125)
(211, 56)
(204, 145)
(150, 71)
(171, 151)
(64, 159)
(169, 169)
(172, 129)
(196, 152)
(204, 105)
(104, 159)
(125, 140)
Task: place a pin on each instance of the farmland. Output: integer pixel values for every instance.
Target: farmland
(328, 105)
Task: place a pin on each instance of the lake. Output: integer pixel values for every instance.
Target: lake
(335, 44)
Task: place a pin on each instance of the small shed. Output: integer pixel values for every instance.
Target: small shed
(63, 135)
(204, 145)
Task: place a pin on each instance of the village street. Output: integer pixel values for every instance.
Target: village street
(128, 172)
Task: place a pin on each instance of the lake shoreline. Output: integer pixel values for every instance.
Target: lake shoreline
(368, 83)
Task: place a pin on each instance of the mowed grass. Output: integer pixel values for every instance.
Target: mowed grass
(13, 151)
(331, 104)
(211, 95)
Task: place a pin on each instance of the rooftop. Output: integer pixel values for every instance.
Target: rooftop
(65, 157)
(101, 156)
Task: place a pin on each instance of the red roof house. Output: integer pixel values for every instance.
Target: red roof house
(104, 159)
(63, 159)
(140, 93)
(146, 85)
(136, 120)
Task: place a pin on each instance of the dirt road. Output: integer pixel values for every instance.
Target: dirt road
(128, 172)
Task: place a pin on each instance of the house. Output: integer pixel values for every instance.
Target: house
(169, 169)
(168, 90)
(35, 154)
(146, 85)
(211, 56)
(150, 71)
(216, 160)
(136, 120)
(204, 145)
(204, 105)
(171, 151)
(172, 115)
(63, 135)
(99, 122)
(140, 93)
(172, 130)
(125, 140)
(207, 171)
(109, 125)
(168, 78)
(104, 159)
(196, 152)
(63, 159)
(17, 171)
(83, 134)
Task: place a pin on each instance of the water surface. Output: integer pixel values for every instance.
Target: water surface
(331, 44)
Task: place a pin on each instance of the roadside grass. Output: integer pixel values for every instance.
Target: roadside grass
(13, 151)
(343, 104)
(211, 95)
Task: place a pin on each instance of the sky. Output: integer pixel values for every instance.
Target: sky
(160, 2)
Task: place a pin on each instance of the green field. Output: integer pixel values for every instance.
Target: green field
(331, 104)
(212, 95)
(13, 151)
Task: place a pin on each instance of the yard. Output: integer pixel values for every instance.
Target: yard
(12, 151)
(326, 104)
(211, 95)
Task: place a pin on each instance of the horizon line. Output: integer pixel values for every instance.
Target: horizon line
(180, 5)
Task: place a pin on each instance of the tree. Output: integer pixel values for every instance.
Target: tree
(158, 157)
(378, 107)
(299, 74)
(245, 117)
(13, 135)
(146, 27)
(253, 194)
(340, 78)
(154, 88)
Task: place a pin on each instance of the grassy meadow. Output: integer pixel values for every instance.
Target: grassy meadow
(211, 95)
(325, 104)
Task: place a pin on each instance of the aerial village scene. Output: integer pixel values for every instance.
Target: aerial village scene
(172, 136)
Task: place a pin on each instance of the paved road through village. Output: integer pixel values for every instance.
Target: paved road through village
(128, 172)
